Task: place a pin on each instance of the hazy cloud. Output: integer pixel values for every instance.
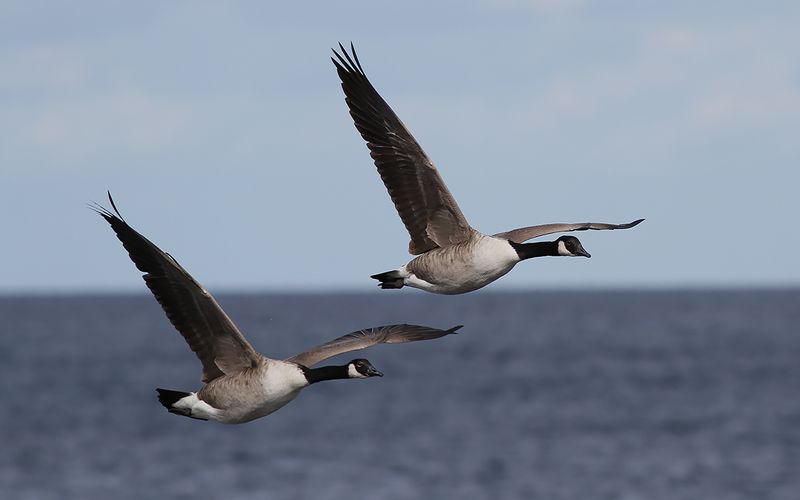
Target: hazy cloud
(543, 5)
(120, 120)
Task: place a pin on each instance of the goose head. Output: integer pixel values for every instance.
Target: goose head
(362, 368)
(570, 246)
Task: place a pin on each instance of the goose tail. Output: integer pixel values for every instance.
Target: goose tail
(390, 279)
(178, 402)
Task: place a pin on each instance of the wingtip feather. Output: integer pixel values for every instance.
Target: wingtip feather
(99, 209)
(114, 205)
(635, 223)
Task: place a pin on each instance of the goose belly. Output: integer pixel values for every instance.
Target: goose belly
(462, 268)
(248, 413)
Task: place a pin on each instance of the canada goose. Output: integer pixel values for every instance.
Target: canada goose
(453, 257)
(241, 384)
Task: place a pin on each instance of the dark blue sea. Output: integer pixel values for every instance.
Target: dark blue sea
(603, 395)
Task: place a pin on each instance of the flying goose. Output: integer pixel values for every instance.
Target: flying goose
(452, 257)
(240, 384)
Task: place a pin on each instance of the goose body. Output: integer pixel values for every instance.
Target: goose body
(246, 395)
(240, 383)
(462, 267)
(453, 257)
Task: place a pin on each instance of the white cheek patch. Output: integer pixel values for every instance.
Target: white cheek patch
(353, 373)
(562, 250)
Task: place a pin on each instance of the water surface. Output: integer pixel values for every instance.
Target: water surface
(602, 395)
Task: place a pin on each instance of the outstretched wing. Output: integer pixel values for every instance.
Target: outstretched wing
(420, 196)
(526, 233)
(390, 334)
(209, 332)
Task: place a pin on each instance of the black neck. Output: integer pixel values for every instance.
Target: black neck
(539, 249)
(314, 375)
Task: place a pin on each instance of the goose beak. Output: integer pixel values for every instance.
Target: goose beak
(372, 372)
(584, 253)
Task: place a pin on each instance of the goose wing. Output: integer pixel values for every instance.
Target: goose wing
(190, 308)
(422, 200)
(389, 334)
(526, 233)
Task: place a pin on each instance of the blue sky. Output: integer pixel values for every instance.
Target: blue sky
(222, 132)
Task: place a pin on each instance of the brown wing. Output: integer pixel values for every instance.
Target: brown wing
(421, 198)
(390, 334)
(526, 233)
(209, 332)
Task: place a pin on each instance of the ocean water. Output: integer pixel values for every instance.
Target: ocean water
(623, 395)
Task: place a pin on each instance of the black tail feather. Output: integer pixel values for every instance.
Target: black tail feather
(168, 398)
(389, 279)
